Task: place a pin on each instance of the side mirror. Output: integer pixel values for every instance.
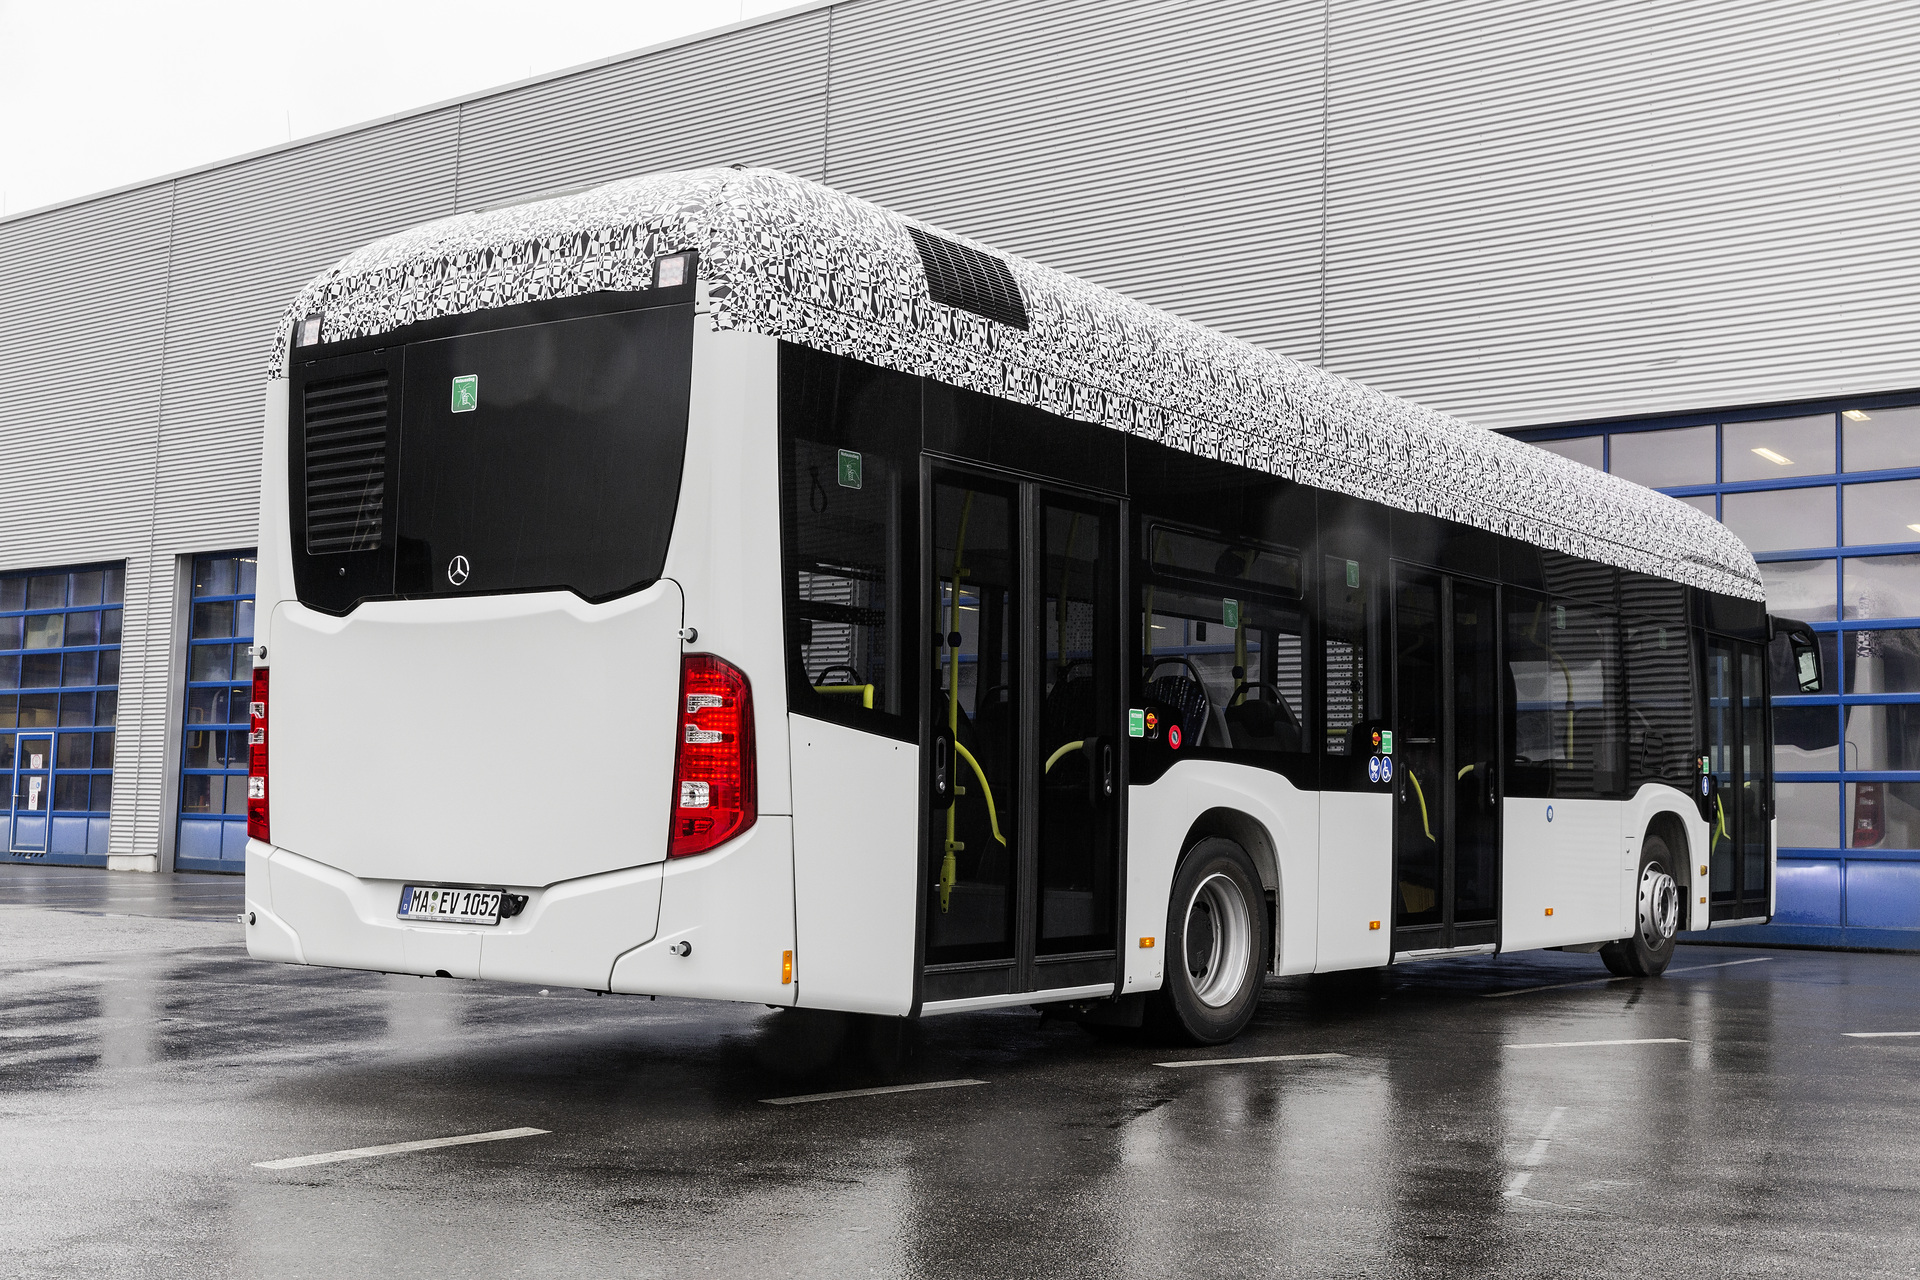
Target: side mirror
(1801, 646)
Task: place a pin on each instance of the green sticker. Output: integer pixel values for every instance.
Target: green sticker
(1353, 573)
(1559, 617)
(1386, 742)
(1230, 614)
(1136, 723)
(466, 393)
(849, 469)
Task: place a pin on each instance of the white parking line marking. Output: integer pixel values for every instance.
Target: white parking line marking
(391, 1148)
(1879, 1035)
(1535, 1154)
(1596, 982)
(1585, 1044)
(1232, 1062)
(869, 1093)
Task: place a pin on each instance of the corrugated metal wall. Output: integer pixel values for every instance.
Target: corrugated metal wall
(1515, 212)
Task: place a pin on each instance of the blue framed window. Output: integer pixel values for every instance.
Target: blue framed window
(59, 701)
(213, 745)
(1827, 495)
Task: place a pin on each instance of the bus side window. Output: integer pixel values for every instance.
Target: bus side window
(1533, 684)
(849, 445)
(1584, 645)
(1351, 629)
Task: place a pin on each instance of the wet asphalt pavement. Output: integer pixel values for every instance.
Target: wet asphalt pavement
(147, 1066)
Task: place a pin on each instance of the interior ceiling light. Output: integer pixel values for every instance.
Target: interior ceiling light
(1854, 415)
(1773, 457)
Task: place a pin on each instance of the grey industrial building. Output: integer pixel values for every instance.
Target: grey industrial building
(1670, 238)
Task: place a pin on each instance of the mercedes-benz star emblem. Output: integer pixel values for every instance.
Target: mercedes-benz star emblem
(457, 570)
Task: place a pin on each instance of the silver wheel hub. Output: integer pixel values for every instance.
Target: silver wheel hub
(1219, 938)
(1659, 907)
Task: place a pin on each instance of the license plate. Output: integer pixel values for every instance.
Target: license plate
(453, 906)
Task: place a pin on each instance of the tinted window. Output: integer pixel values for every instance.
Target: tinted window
(1777, 447)
(1350, 623)
(556, 466)
(1803, 589)
(849, 465)
(1885, 512)
(1782, 520)
(1584, 449)
(1880, 439)
(1660, 459)
(1532, 695)
(1660, 710)
(1583, 640)
(1881, 587)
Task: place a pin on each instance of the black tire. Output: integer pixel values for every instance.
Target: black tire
(1216, 956)
(1656, 914)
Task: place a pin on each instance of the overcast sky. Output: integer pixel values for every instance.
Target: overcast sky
(96, 95)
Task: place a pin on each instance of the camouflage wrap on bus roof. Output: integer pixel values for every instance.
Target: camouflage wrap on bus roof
(792, 259)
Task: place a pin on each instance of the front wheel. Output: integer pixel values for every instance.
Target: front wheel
(1649, 950)
(1216, 946)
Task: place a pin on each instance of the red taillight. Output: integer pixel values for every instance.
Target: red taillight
(1868, 826)
(714, 798)
(257, 758)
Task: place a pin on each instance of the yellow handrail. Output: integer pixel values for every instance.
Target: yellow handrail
(993, 814)
(864, 690)
(1055, 757)
(949, 870)
(1421, 792)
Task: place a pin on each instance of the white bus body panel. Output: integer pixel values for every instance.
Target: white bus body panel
(1570, 862)
(1159, 817)
(856, 828)
(1356, 880)
(725, 550)
(732, 909)
(568, 935)
(1653, 800)
(407, 742)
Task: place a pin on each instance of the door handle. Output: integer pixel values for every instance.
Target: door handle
(942, 770)
(1106, 769)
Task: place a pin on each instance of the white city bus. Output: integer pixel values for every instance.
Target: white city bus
(714, 585)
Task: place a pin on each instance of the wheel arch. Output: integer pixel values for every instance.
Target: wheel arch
(1252, 835)
(1669, 826)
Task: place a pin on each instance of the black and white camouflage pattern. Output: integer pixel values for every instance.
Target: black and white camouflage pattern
(792, 259)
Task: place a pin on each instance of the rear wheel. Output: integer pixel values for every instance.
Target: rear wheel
(1656, 917)
(1216, 946)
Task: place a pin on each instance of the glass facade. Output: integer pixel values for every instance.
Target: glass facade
(1828, 498)
(213, 748)
(59, 701)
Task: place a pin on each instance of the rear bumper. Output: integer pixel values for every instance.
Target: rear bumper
(616, 931)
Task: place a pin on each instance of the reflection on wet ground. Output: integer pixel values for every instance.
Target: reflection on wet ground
(1732, 1127)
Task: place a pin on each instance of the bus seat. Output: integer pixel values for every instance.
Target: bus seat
(1187, 699)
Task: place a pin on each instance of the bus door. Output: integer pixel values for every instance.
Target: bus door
(1022, 861)
(1737, 758)
(32, 793)
(1442, 760)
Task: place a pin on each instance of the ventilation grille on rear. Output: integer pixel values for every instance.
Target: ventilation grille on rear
(970, 280)
(346, 434)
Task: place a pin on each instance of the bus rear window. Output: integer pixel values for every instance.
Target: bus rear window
(544, 457)
(536, 457)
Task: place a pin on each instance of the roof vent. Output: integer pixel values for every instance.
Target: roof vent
(969, 280)
(346, 482)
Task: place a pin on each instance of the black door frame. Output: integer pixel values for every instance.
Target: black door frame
(1448, 934)
(1742, 905)
(1027, 971)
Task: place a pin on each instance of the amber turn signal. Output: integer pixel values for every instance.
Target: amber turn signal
(1373, 924)
(1146, 944)
(786, 967)
(1549, 910)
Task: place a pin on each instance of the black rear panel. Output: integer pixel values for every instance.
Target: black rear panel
(534, 457)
